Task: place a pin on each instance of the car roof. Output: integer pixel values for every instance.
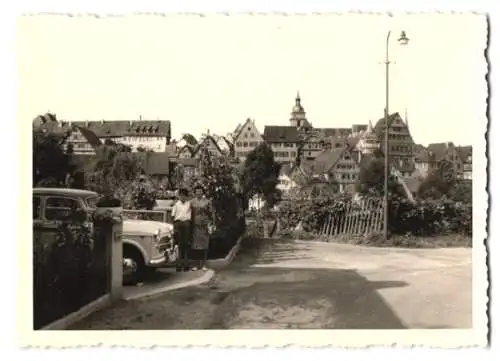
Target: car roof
(64, 192)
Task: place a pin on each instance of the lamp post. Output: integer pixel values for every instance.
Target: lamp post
(403, 40)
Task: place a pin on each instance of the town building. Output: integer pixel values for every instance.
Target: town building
(246, 138)
(141, 135)
(465, 153)
(401, 143)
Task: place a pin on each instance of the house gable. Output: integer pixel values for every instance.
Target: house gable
(210, 144)
(248, 132)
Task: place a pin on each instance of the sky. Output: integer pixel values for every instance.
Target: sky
(212, 72)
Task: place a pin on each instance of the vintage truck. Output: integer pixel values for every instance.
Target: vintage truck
(147, 245)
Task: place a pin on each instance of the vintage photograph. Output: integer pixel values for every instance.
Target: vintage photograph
(267, 172)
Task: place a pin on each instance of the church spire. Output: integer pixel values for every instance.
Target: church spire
(406, 118)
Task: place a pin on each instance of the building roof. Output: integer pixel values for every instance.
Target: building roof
(89, 136)
(280, 133)
(380, 125)
(325, 161)
(157, 163)
(120, 128)
(335, 132)
(439, 150)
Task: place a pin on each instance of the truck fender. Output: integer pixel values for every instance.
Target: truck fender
(137, 246)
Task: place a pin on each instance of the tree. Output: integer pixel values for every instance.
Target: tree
(113, 169)
(438, 183)
(371, 179)
(217, 178)
(51, 163)
(260, 175)
(189, 138)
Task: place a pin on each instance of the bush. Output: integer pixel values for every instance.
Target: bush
(423, 218)
(429, 217)
(69, 270)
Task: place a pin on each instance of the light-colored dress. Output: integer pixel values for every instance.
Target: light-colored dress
(202, 216)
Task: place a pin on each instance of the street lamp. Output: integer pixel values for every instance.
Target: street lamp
(403, 40)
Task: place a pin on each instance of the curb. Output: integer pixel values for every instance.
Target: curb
(94, 306)
(207, 276)
(224, 262)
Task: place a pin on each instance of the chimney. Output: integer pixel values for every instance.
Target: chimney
(102, 121)
(86, 124)
(140, 117)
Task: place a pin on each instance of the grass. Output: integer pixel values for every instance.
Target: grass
(401, 241)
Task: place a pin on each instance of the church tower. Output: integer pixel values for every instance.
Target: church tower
(298, 117)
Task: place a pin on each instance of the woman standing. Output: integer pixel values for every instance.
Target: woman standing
(203, 224)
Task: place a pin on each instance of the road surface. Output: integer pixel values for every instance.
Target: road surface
(293, 284)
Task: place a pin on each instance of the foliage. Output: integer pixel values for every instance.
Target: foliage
(143, 194)
(423, 218)
(116, 171)
(461, 192)
(220, 184)
(260, 175)
(51, 163)
(371, 179)
(438, 183)
(430, 217)
(189, 138)
(69, 268)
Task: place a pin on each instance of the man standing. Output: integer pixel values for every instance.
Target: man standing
(181, 214)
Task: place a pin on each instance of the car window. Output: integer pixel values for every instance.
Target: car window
(36, 207)
(92, 201)
(59, 208)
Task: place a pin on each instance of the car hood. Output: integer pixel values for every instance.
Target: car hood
(145, 228)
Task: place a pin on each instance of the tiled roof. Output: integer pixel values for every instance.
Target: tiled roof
(90, 136)
(422, 155)
(327, 159)
(335, 132)
(120, 128)
(439, 150)
(279, 133)
(380, 125)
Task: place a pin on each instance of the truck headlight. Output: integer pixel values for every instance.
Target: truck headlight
(157, 236)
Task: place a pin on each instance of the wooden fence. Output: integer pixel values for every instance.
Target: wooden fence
(361, 217)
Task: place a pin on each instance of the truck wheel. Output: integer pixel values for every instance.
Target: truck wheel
(133, 266)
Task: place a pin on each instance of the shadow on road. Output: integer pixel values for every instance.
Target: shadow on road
(306, 299)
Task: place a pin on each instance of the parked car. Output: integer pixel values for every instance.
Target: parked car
(147, 245)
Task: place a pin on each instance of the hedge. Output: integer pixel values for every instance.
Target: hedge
(423, 218)
(70, 269)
